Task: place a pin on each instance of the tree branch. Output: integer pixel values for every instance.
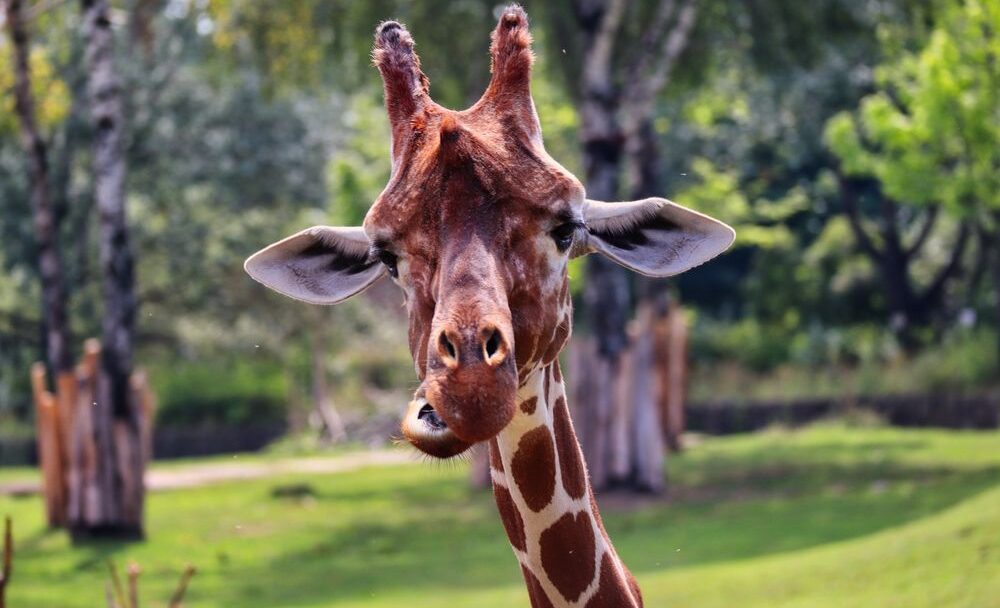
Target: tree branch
(651, 36)
(936, 289)
(849, 198)
(925, 231)
(597, 64)
(644, 88)
(46, 223)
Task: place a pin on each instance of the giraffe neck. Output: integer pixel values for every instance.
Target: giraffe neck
(547, 506)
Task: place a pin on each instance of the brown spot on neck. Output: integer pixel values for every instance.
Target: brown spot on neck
(574, 474)
(613, 591)
(535, 592)
(496, 461)
(529, 404)
(534, 467)
(510, 517)
(568, 548)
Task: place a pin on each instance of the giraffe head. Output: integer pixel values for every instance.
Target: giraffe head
(476, 226)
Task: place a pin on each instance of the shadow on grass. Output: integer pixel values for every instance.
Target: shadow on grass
(452, 539)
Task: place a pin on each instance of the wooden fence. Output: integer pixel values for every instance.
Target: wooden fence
(974, 411)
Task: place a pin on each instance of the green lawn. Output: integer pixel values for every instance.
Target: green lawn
(830, 516)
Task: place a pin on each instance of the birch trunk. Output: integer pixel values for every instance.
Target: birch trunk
(116, 492)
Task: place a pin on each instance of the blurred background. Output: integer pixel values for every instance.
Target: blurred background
(805, 391)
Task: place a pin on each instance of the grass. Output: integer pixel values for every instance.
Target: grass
(828, 516)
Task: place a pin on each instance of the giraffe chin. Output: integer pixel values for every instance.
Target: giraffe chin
(427, 432)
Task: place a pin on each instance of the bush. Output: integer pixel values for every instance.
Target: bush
(197, 393)
(758, 346)
(965, 359)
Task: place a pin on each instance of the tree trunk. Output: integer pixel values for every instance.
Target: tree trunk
(615, 120)
(671, 362)
(646, 472)
(54, 298)
(908, 307)
(606, 292)
(109, 457)
(116, 416)
(333, 427)
(996, 276)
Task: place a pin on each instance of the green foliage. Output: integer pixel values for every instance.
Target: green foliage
(961, 361)
(51, 93)
(830, 516)
(929, 134)
(761, 223)
(199, 393)
(360, 168)
(751, 342)
(833, 362)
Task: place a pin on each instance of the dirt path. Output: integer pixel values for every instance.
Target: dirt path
(194, 475)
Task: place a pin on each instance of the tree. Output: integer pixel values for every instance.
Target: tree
(616, 100)
(46, 222)
(116, 415)
(927, 138)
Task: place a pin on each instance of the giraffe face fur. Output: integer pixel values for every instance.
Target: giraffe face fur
(476, 244)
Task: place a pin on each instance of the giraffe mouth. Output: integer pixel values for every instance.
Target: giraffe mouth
(427, 431)
(430, 417)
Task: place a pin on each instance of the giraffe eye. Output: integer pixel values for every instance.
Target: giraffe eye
(389, 260)
(563, 235)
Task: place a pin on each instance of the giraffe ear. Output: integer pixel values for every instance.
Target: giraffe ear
(320, 265)
(653, 236)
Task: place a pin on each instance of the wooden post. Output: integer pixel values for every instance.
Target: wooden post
(646, 447)
(622, 409)
(66, 397)
(176, 601)
(678, 375)
(8, 560)
(49, 457)
(592, 402)
(479, 469)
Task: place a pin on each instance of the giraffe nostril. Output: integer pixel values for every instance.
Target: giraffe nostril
(494, 348)
(493, 344)
(446, 348)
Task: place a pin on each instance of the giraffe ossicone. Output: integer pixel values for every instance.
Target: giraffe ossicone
(477, 225)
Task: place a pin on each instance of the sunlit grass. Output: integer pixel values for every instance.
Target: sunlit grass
(830, 516)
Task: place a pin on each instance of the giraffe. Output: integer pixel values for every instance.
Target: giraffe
(477, 225)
